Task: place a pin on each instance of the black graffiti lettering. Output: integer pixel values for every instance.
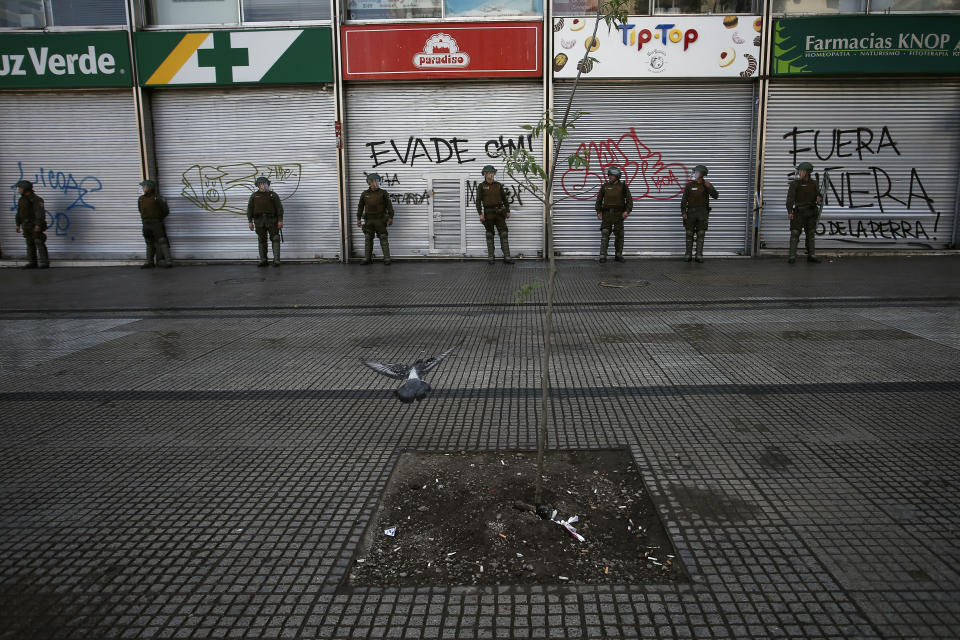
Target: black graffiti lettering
(389, 181)
(506, 147)
(885, 133)
(436, 145)
(918, 229)
(915, 176)
(867, 229)
(841, 143)
(404, 157)
(418, 143)
(796, 151)
(513, 194)
(886, 194)
(374, 154)
(458, 150)
(410, 197)
(828, 183)
(850, 190)
(861, 145)
(838, 140)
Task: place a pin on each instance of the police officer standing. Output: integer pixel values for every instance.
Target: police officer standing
(374, 215)
(33, 219)
(614, 204)
(695, 208)
(494, 209)
(265, 215)
(803, 209)
(153, 209)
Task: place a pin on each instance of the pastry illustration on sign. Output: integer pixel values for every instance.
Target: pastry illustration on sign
(592, 43)
(568, 44)
(727, 56)
(559, 62)
(577, 24)
(558, 25)
(758, 25)
(737, 39)
(730, 22)
(751, 66)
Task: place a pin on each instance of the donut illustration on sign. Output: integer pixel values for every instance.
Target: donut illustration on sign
(591, 43)
(577, 24)
(758, 25)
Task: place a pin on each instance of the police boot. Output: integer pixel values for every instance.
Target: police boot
(604, 244)
(794, 241)
(276, 252)
(262, 247)
(151, 257)
(490, 248)
(688, 256)
(699, 257)
(163, 253)
(812, 249)
(385, 247)
(43, 258)
(505, 247)
(618, 247)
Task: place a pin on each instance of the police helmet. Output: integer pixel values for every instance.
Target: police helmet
(489, 169)
(150, 185)
(702, 169)
(261, 180)
(805, 166)
(373, 176)
(614, 171)
(26, 185)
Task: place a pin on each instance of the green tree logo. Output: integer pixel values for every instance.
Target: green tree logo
(781, 64)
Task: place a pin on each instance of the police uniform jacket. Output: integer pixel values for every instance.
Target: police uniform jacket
(264, 203)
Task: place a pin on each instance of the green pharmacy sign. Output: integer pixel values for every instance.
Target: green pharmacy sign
(274, 56)
(867, 44)
(55, 60)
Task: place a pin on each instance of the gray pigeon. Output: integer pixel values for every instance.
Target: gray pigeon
(414, 387)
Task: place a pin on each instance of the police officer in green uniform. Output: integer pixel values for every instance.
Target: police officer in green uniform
(614, 204)
(153, 209)
(374, 215)
(33, 219)
(265, 215)
(695, 208)
(494, 209)
(803, 209)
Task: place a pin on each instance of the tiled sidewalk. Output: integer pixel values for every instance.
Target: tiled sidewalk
(195, 453)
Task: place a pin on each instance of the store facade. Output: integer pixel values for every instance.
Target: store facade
(427, 107)
(228, 106)
(70, 127)
(663, 94)
(873, 102)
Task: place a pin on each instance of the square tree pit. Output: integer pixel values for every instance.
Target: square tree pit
(456, 522)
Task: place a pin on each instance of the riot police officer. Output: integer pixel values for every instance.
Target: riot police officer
(494, 209)
(695, 208)
(374, 215)
(803, 209)
(265, 215)
(153, 209)
(614, 204)
(32, 217)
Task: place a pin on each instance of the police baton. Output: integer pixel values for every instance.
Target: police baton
(281, 234)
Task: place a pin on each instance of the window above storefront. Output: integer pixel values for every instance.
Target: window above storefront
(655, 7)
(229, 12)
(819, 7)
(43, 14)
(440, 9)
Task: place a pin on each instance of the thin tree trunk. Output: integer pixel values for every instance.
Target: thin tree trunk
(551, 277)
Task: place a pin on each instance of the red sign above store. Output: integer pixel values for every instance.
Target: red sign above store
(448, 50)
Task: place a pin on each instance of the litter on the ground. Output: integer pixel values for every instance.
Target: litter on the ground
(502, 536)
(392, 531)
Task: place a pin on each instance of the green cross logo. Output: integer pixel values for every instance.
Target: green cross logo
(223, 57)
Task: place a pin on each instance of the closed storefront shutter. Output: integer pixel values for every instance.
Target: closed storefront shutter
(212, 144)
(80, 149)
(885, 153)
(430, 142)
(656, 133)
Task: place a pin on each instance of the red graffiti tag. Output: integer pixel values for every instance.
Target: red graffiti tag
(657, 181)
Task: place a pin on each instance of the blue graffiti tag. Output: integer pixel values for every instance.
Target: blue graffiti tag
(67, 183)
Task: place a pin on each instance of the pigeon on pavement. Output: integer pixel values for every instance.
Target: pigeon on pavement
(414, 387)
